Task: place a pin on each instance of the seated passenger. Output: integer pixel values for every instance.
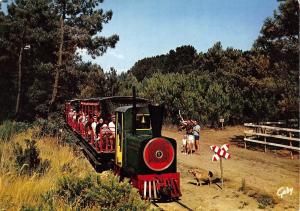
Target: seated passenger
(84, 118)
(74, 120)
(79, 118)
(98, 127)
(112, 126)
(105, 130)
(94, 124)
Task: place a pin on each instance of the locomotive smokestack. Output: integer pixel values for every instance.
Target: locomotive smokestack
(156, 115)
(133, 111)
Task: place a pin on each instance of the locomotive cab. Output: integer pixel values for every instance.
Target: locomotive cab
(124, 128)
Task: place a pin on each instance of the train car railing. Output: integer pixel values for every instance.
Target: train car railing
(105, 141)
(102, 142)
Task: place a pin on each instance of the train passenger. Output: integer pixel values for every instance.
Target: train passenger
(88, 126)
(112, 128)
(106, 135)
(79, 117)
(105, 130)
(85, 123)
(84, 119)
(94, 124)
(97, 114)
(112, 125)
(74, 120)
(98, 128)
(79, 123)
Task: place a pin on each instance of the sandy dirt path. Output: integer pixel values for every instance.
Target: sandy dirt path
(263, 173)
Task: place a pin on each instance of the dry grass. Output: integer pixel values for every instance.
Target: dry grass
(17, 190)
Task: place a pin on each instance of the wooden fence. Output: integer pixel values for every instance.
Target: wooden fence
(269, 133)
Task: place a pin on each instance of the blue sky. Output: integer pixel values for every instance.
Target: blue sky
(153, 27)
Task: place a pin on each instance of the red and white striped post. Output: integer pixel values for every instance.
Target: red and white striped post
(219, 154)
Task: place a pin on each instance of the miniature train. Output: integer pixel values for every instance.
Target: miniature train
(129, 137)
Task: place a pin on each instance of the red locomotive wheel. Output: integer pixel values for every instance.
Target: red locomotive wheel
(158, 154)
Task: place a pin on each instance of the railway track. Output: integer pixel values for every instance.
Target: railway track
(174, 205)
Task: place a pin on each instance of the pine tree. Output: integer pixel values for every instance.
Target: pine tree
(79, 23)
(20, 34)
(279, 41)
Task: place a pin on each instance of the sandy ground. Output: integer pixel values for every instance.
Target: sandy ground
(263, 173)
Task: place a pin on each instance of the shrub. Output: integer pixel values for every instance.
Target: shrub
(27, 207)
(264, 201)
(9, 128)
(94, 191)
(243, 204)
(27, 161)
(47, 128)
(53, 128)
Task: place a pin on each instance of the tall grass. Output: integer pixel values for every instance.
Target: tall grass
(47, 191)
(27, 189)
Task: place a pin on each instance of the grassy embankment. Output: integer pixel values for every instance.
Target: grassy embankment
(68, 182)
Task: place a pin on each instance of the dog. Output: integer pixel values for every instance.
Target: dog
(201, 175)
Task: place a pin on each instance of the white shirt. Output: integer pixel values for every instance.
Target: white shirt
(112, 126)
(94, 124)
(196, 130)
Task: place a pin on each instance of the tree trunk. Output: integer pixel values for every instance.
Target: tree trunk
(59, 62)
(18, 101)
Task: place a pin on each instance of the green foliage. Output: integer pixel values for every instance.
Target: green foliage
(47, 128)
(27, 207)
(93, 191)
(195, 95)
(180, 60)
(279, 40)
(10, 128)
(28, 161)
(32, 43)
(217, 103)
(53, 127)
(126, 81)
